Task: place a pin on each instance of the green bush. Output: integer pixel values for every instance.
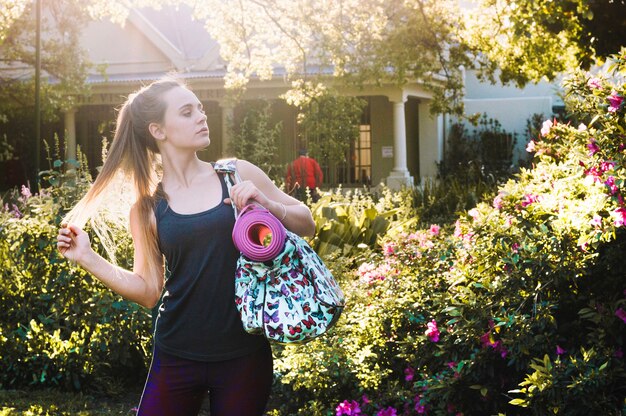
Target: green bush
(518, 308)
(60, 327)
(256, 138)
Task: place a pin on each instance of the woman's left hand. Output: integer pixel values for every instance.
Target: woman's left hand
(245, 193)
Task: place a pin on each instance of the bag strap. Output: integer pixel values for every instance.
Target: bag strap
(228, 168)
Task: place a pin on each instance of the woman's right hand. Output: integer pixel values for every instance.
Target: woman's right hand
(73, 242)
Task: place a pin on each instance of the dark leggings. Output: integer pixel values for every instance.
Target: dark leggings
(177, 386)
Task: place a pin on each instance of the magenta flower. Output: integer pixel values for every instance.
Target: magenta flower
(365, 399)
(349, 408)
(409, 373)
(530, 147)
(434, 229)
(389, 411)
(593, 147)
(621, 314)
(419, 407)
(560, 351)
(529, 199)
(594, 83)
(610, 183)
(595, 173)
(488, 341)
(433, 331)
(615, 102)
(607, 166)
(545, 127)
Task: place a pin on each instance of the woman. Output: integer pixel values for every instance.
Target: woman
(183, 216)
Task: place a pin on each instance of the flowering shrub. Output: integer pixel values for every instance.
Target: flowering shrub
(59, 327)
(517, 308)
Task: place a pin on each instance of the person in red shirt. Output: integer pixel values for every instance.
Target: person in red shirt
(302, 173)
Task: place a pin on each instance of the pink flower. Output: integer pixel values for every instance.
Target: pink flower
(615, 102)
(594, 83)
(560, 351)
(433, 331)
(434, 229)
(350, 408)
(582, 127)
(16, 211)
(530, 147)
(545, 127)
(620, 217)
(389, 248)
(621, 314)
(498, 202)
(596, 221)
(389, 411)
(458, 231)
(26, 192)
(474, 213)
(409, 373)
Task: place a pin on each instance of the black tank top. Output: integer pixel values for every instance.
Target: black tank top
(198, 319)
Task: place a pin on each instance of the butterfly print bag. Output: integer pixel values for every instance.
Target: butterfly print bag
(289, 298)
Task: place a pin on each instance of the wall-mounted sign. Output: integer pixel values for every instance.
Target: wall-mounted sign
(387, 152)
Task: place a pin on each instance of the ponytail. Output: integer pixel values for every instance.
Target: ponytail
(132, 159)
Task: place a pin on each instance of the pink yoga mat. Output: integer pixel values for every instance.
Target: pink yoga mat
(253, 225)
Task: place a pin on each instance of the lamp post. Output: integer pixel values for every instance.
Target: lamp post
(37, 91)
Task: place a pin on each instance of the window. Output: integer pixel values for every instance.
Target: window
(357, 170)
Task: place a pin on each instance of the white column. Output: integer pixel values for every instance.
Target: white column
(399, 176)
(70, 134)
(227, 119)
(430, 141)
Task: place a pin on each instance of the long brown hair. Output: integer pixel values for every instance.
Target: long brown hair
(133, 156)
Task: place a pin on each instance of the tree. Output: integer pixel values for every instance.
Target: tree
(525, 41)
(372, 41)
(358, 41)
(256, 138)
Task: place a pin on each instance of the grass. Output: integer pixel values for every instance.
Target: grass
(48, 402)
(51, 402)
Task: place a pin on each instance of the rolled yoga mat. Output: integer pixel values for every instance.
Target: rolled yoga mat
(254, 224)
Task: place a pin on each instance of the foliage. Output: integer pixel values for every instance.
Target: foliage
(62, 403)
(59, 327)
(64, 66)
(350, 223)
(528, 40)
(362, 42)
(256, 140)
(485, 152)
(518, 308)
